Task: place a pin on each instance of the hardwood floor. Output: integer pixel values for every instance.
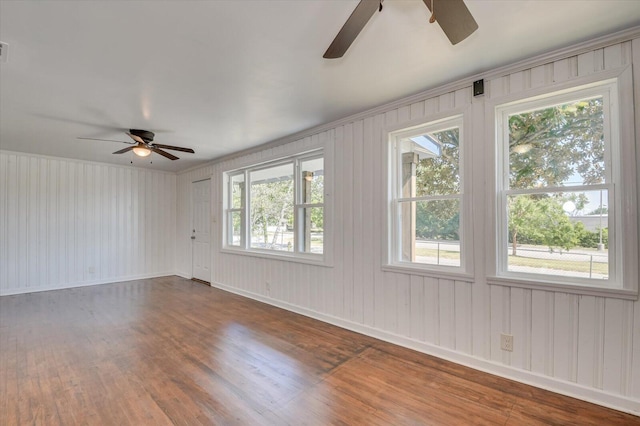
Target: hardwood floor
(171, 351)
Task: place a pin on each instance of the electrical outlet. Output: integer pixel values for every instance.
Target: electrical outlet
(92, 270)
(506, 342)
(268, 285)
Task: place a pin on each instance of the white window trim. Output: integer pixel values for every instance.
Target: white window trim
(625, 219)
(299, 205)
(229, 210)
(245, 247)
(459, 116)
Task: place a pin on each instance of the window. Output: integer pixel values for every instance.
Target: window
(277, 207)
(271, 208)
(236, 209)
(558, 184)
(427, 196)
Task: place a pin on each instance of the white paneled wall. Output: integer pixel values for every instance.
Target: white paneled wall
(585, 346)
(66, 223)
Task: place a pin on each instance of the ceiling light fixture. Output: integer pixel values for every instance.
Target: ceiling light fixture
(141, 151)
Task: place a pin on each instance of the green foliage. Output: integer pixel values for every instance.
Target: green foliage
(317, 196)
(237, 191)
(555, 226)
(549, 146)
(439, 176)
(317, 218)
(523, 226)
(579, 199)
(540, 220)
(438, 220)
(599, 210)
(271, 205)
(590, 239)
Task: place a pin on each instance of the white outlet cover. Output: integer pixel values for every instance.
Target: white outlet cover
(506, 342)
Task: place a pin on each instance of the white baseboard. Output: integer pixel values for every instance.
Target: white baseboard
(574, 390)
(25, 290)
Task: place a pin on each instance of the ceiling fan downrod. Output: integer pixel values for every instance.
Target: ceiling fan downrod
(433, 14)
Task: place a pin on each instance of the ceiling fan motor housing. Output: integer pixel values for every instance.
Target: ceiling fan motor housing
(146, 135)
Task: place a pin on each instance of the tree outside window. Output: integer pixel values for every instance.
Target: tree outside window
(427, 195)
(277, 207)
(556, 173)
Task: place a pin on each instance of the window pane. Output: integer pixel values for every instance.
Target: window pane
(431, 232)
(312, 220)
(235, 225)
(560, 145)
(312, 181)
(271, 209)
(559, 234)
(433, 158)
(237, 191)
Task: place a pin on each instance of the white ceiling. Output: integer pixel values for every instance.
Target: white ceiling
(221, 76)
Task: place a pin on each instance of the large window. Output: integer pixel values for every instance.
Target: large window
(277, 207)
(427, 196)
(558, 175)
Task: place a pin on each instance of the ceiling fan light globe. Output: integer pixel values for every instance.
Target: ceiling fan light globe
(141, 151)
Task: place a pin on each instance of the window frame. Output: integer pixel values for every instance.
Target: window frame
(458, 118)
(297, 205)
(620, 160)
(229, 210)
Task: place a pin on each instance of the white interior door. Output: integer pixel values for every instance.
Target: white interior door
(201, 230)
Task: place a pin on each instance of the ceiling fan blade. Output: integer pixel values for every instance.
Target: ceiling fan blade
(164, 153)
(127, 149)
(454, 18)
(106, 140)
(350, 30)
(136, 138)
(175, 148)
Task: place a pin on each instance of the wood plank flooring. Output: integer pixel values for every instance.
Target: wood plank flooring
(171, 351)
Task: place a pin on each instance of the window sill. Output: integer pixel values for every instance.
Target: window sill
(315, 260)
(584, 290)
(447, 274)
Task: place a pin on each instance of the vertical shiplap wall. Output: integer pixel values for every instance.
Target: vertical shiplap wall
(67, 223)
(586, 346)
(591, 341)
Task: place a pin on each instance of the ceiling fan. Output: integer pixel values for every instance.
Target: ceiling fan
(143, 145)
(453, 16)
